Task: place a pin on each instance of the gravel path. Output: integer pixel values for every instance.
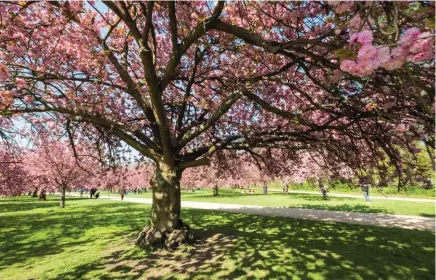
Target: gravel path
(373, 197)
(381, 220)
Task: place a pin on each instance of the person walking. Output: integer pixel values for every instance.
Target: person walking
(285, 189)
(122, 192)
(215, 190)
(265, 188)
(324, 190)
(364, 186)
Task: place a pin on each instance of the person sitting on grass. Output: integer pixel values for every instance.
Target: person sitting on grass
(428, 185)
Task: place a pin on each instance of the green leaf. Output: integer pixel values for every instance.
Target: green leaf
(345, 54)
(424, 10)
(429, 22)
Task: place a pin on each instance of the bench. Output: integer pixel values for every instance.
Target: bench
(248, 191)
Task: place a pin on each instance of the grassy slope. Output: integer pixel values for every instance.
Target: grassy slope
(308, 201)
(93, 239)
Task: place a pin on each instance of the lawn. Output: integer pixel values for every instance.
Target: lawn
(309, 201)
(93, 239)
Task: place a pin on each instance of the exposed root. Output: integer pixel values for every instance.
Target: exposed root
(154, 237)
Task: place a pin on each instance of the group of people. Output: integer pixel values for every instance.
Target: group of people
(92, 192)
(364, 183)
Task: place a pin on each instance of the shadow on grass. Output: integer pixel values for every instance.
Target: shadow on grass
(26, 203)
(29, 235)
(426, 215)
(291, 196)
(230, 246)
(235, 245)
(345, 208)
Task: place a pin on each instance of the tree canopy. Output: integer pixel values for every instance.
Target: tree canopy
(183, 82)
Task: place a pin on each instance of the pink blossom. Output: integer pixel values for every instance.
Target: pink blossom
(370, 106)
(365, 37)
(410, 34)
(368, 53)
(21, 83)
(355, 22)
(354, 68)
(384, 54)
(4, 74)
(194, 16)
(388, 105)
(343, 7)
(28, 99)
(335, 77)
(51, 125)
(402, 127)
(422, 48)
(349, 66)
(421, 56)
(396, 60)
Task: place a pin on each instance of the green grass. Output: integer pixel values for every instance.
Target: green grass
(309, 201)
(93, 239)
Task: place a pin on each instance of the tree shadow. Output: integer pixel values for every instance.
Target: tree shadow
(253, 247)
(221, 194)
(345, 208)
(229, 246)
(29, 235)
(427, 215)
(27, 203)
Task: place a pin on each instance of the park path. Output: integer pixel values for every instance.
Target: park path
(381, 220)
(376, 197)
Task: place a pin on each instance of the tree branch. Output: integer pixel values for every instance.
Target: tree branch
(227, 104)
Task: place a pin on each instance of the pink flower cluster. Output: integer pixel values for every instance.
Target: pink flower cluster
(413, 46)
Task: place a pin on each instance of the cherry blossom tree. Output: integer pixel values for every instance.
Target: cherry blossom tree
(14, 180)
(55, 168)
(127, 177)
(182, 82)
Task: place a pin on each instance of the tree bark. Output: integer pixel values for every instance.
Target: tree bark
(165, 228)
(35, 193)
(63, 189)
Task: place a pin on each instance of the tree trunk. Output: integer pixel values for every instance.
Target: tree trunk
(63, 189)
(166, 228)
(35, 193)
